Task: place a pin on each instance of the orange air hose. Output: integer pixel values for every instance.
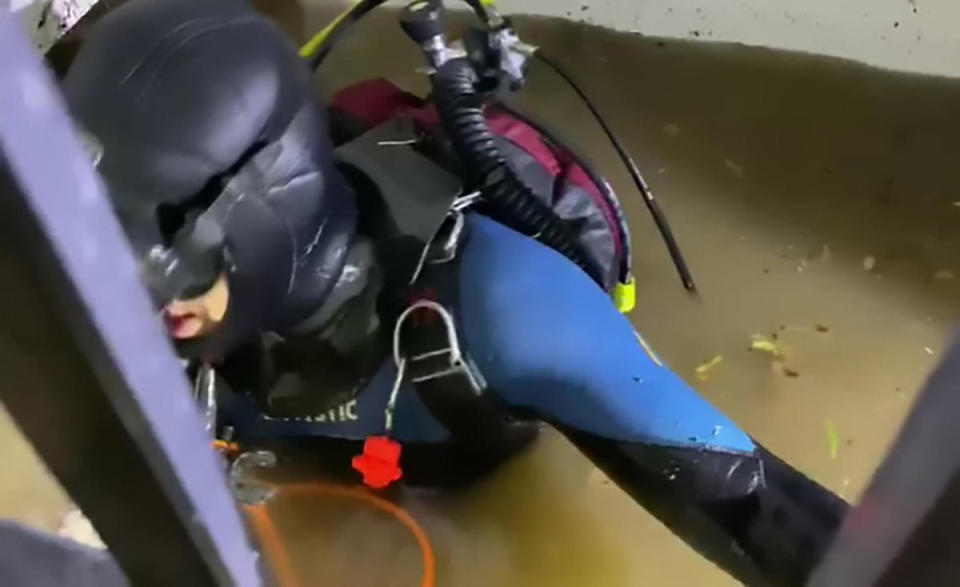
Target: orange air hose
(272, 546)
(277, 554)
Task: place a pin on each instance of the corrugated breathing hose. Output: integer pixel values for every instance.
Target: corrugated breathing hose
(505, 197)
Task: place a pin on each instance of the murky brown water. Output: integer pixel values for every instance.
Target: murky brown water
(781, 174)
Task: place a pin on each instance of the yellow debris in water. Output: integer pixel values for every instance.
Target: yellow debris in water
(765, 345)
(77, 527)
(703, 369)
(944, 275)
(733, 167)
(671, 130)
(832, 440)
(598, 478)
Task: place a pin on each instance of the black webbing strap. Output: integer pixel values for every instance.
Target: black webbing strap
(447, 381)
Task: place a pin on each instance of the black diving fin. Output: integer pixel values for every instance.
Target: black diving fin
(752, 515)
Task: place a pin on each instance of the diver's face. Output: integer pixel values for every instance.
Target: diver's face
(197, 316)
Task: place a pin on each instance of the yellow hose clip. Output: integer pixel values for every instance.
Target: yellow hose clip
(625, 295)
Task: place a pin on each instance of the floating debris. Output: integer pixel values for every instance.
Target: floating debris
(75, 526)
(736, 169)
(765, 345)
(598, 477)
(832, 441)
(944, 275)
(671, 130)
(703, 369)
(716, 430)
(789, 372)
(822, 254)
(928, 350)
(843, 489)
(869, 263)
(821, 328)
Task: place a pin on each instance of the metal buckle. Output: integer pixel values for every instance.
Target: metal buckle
(463, 202)
(392, 401)
(456, 363)
(436, 253)
(447, 250)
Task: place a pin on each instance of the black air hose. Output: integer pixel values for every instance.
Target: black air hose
(506, 198)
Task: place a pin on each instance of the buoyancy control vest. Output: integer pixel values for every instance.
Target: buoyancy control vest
(408, 197)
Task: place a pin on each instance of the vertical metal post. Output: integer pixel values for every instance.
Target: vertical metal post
(85, 369)
(904, 530)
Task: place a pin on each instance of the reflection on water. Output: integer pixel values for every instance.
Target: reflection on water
(814, 199)
(27, 492)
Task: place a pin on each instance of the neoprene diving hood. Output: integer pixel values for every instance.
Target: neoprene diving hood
(217, 158)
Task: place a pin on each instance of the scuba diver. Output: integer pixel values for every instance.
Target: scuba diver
(424, 281)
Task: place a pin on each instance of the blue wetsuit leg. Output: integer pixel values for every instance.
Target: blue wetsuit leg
(549, 340)
(550, 343)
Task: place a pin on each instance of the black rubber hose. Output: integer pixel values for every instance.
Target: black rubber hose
(505, 197)
(652, 205)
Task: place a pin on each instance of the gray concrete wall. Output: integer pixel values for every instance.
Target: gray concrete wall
(909, 35)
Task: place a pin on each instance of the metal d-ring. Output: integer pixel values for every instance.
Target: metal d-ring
(449, 247)
(463, 202)
(457, 364)
(456, 356)
(448, 250)
(400, 363)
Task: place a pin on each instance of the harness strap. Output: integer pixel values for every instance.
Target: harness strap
(426, 340)
(418, 229)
